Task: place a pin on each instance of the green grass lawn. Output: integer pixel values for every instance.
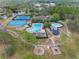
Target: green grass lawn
(25, 51)
(69, 49)
(6, 39)
(28, 37)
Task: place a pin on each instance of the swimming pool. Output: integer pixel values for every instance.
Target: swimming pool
(22, 17)
(16, 23)
(36, 27)
(56, 25)
(55, 28)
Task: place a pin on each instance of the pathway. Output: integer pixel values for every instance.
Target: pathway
(66, 27)
(13, 33)
(55, 49)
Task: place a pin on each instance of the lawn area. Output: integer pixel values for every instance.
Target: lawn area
(23, 50)
(7, 40)
(28, 37)
(28, 54)
(70, 50)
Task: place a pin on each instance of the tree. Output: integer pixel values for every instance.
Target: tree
(54, 19)
(73, 25)
(47, 24)
(64, 11)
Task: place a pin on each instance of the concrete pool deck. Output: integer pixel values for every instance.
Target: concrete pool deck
(5, 21)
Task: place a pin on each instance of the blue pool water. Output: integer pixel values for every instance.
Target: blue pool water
(36, 27)
(55, 32)
(17, 23)
(56, 25)
(22, 17)
(55, 28)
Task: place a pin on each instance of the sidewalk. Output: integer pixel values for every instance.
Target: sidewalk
(53, 45)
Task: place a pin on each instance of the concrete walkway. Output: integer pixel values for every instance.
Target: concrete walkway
(67, 32)
(55, 49)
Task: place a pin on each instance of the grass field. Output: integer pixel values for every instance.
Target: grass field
(69, 47)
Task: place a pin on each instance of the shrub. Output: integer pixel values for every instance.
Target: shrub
(56, 15)
(10, 50)
(73, 25)
(42, 21)
(62, 19)
(1, 18)
(47, 25)
(54, 19)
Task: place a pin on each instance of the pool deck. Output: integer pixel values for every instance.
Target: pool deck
(6, 21)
